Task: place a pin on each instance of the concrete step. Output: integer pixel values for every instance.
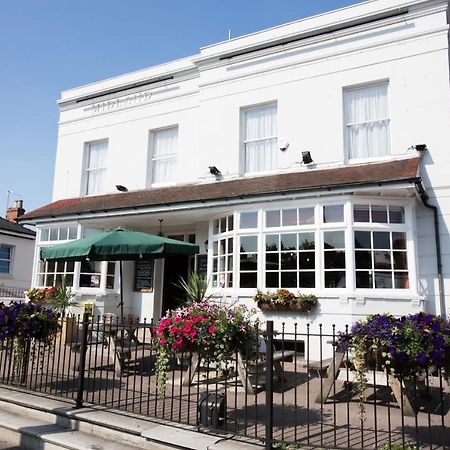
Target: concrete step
(34, 420)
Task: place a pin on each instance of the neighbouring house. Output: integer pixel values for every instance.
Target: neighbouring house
(311, 156)
(17, 245)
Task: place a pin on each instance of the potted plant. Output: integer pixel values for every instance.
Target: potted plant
(215, 332)
(195, 287)
(408, 348)
(284, 300)
(62, 301)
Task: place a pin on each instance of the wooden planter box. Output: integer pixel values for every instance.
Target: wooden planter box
(69, 330)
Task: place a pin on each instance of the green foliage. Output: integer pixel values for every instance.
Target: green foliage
(282, 299)
(195, 287)
(63, 297)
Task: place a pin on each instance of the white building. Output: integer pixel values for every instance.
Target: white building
(364, 89)
(17, 247)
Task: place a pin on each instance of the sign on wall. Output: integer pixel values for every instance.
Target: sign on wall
(143, 276)
(201, 265)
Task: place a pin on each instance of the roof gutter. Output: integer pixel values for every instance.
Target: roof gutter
(424, 197)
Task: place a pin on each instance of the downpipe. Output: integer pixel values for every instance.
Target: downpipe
(424, 197)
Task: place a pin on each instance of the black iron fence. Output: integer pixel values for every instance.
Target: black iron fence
(297, 388)
(11, 292)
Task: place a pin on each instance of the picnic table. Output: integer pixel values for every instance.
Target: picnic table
(333, 366)
(119, 340)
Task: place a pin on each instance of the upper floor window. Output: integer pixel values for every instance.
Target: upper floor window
(6, 252)
(260, 139)
(59, 233)
(96, 157)
(164, 145)
(366, 115)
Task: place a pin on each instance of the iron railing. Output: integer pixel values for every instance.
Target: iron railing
(298, 391)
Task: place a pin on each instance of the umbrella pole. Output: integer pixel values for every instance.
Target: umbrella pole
(121, 292)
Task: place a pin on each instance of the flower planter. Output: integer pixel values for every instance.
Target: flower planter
(69, 330)
(273, 307)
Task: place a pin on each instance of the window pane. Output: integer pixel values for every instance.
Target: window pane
(289, 217)
(335, 279)
(216, 226)
(364, 280)
(382, 260)
(335, 260)
(361, 213)
(51, 266)
(73, 231)
(396, 214)
(215, 247)
(230, 262)
(164, 155)
(383, 280)
(223, 225)
(53, 234)
(249, 220)
(44, 234)
(379, 214)
(63, 234)
(363, 260)
(401, 280)
(306, 241)
(400, 261)
(70, 266)
(307, 279)
(249, 262)
(288, 279)
(381, 239)
(333, 213)
(248, 280)
(306, 216)
(288, 242)
(230, 223)
(272, 261)
(399, 241)
(272, 279)
(362, 239)
(272, 242)
(249, 244)
(307, 260)
(334, 239)
(272, 219)
(288, 261)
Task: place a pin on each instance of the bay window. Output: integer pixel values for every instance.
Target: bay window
(348, 246)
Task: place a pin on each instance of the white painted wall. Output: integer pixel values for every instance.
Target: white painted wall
(306, 80)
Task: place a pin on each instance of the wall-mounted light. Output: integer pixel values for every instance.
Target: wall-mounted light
(421, 147)
(121, 188)
(306, 158)
(283, 144)
(213, 170)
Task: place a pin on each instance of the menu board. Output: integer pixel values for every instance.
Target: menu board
(143, 276)
(201, 265)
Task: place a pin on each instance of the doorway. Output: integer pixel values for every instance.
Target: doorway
(174, 268)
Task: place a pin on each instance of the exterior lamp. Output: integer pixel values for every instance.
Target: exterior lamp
(213, 170)
(121, 188)
(306, 158)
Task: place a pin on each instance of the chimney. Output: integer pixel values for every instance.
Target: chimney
(13, 213)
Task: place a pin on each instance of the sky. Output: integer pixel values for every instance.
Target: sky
(47, 46)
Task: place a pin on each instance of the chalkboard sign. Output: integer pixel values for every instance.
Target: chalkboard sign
(201, 265)
(143, 277)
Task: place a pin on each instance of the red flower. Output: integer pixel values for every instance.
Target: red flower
(211, 329)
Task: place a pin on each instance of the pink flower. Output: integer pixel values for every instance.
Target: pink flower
(211, 329)
(162, 341)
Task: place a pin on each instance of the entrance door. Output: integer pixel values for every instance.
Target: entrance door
(174, 268)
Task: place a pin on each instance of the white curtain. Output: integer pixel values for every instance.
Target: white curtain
(96, 167)
(367, 121)
(164, 158)
(260, 131)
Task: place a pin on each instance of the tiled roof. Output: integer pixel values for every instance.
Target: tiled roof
(6, 225)
(305, 180)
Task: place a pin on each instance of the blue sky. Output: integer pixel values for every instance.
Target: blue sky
(47, 46)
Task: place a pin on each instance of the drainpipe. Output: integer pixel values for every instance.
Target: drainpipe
(424, 198)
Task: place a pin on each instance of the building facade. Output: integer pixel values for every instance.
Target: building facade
(311, 156)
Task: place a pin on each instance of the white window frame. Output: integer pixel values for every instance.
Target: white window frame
(88, 170)
(245, 141)
(348, 125)
(153, 160)
(10, 260)
(319, 227)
